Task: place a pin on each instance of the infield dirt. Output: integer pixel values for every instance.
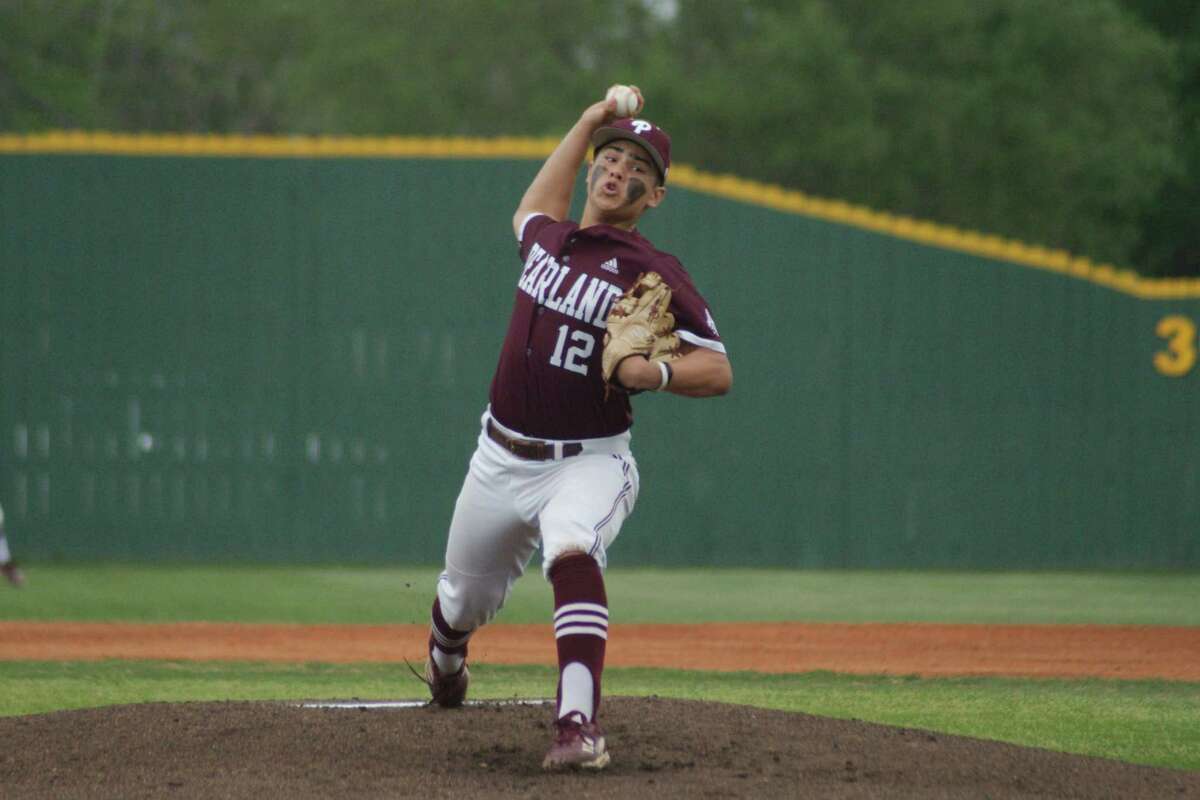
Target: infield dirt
(1100, 651)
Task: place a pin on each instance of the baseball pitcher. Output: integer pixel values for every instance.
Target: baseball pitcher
(599, 316)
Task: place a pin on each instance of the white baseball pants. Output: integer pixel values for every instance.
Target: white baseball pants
(508, 505)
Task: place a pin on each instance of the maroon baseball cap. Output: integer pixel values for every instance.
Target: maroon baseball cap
(647, 134)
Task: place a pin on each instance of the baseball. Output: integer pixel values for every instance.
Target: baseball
(629, 99)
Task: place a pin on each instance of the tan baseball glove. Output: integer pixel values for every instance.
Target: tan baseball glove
(640, 324)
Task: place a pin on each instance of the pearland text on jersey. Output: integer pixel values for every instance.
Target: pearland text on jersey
(588, 299)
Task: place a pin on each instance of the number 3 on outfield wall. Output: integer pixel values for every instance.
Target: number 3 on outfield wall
(1180, 355)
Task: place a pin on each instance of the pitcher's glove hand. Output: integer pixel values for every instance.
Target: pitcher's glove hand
(640, 324)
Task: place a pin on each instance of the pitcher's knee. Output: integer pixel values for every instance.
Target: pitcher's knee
(470, 603)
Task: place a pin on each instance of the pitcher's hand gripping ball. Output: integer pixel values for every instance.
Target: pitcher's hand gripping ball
(629, 99)
(640, 324)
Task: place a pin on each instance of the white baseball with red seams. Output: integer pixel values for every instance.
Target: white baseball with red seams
(629, 99)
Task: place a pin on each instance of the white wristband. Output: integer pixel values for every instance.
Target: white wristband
(665, 369)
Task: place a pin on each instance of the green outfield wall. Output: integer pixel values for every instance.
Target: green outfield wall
(249, 350)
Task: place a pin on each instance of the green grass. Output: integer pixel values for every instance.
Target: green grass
(403, 595)
(1148, 722)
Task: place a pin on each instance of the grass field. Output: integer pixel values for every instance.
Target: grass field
(1149, 722)
(349, 595)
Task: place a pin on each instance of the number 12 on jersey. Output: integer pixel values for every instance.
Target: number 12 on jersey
(575, 358)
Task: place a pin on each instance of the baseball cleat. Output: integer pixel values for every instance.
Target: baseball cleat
(447, 691)
(577, 743)
(13, 574)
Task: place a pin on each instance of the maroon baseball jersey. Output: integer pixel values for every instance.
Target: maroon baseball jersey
(549, 383)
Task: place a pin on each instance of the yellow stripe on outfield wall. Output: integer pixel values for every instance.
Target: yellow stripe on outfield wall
(185, 144)
(727, 186)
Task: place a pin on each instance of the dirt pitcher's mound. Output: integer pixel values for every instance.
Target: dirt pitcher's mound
(661, 749)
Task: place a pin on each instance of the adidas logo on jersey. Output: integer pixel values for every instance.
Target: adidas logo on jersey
(610, 266)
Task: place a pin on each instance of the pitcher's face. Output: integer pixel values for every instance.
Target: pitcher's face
(623, 182)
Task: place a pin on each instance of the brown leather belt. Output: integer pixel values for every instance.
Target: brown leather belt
(529, 449)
